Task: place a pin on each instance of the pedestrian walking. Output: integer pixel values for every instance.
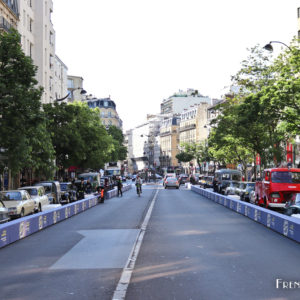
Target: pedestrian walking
(120, 185)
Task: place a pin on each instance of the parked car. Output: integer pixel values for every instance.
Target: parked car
(18, 202)
(52, 190)
(231, 187)
(171, 182)
(224, 176)
(68, 192)
(37, 193)
(207, 182)
(240, 188)
(183, 178)
(292, 207)
(246, 192)
(198, 177)
(4, 215)
(93, 177)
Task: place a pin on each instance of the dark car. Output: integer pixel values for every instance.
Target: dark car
(292, 207)
(183, 178)
(245, 193)
(68, 192)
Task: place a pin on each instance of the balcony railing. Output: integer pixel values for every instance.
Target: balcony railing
(188, 127)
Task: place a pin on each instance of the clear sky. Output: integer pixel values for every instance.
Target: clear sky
(142, 51)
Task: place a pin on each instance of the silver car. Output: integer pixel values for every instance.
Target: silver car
(4, 217)
(171, 182)
(37, 193)
(231, 188)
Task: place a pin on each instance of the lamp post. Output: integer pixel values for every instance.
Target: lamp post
(82, 92)
(269, 47)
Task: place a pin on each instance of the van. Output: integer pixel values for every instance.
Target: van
(93, 177)
(52, 190)
(224, 176)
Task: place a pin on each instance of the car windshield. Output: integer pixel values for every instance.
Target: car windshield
(47, 188)
(13, 196)
(63, 186)
(32, 192)
(87, 177)
(285, 177)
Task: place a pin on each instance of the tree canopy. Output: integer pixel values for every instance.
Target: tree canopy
(24, 140)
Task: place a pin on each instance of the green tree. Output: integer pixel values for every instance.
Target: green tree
(78, 136)
(23, 138)
(120, 151)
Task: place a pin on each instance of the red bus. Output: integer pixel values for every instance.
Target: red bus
(277, 187)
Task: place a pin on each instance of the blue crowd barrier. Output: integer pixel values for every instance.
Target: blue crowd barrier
(285, 225)
(21, 228)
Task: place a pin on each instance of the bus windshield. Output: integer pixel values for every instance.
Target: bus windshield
(285, 177)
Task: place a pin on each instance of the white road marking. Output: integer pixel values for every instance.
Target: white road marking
(121, 289)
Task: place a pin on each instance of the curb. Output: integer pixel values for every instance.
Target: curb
(18, 229)
(285, 225)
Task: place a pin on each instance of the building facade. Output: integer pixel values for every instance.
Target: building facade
(75, 88)
(60, 79)
(9, 14)
(183, 100)
(108, 111)
(169, 142)
(38, 42)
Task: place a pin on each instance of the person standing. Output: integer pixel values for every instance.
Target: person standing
(88, 187)
(119, 185)
(81, 189)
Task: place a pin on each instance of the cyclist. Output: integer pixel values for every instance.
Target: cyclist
(138, 183)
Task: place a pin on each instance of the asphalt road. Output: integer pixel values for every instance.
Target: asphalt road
(193, 248)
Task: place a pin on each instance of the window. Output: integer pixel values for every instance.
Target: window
(31, 50)
(70, 83)
(105, 104)
(298, 10)
(30, 25)
(285, 177)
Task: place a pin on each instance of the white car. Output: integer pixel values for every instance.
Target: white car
(37, 193)
(231, 187)
(18, 202)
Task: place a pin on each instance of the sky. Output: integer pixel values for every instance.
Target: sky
(140, 52)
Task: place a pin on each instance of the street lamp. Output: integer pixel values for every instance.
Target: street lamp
(82, 92)
(269, 47)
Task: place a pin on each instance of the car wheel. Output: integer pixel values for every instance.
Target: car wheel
(40, 208)
(165, 187)
(177, 187)
(22, 214)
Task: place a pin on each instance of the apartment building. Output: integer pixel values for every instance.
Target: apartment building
(9, 14)
(60, 79)
(38, 42)
(108, 111)
(75, 89)
(183, 100)
(169, 142)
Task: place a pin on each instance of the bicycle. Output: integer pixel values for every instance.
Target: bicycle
(138, 189)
